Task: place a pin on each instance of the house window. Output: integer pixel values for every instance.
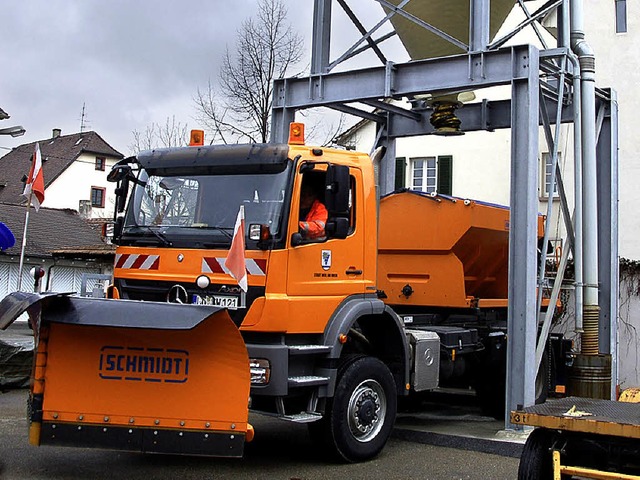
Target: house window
(547, 169)
(621, 16)
(97, 196)
(100, 163)
(432, 174)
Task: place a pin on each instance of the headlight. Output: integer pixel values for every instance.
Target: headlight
(260, 371)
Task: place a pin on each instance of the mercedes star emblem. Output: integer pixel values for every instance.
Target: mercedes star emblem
(177, 294)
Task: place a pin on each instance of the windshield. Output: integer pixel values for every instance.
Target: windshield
(206, 202)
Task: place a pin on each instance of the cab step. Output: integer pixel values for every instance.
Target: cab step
(308, 349)
(308, 381)
(303, 417)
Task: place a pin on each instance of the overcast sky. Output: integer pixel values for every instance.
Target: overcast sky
(131, 63)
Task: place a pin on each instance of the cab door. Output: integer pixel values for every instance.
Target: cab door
(332, 267)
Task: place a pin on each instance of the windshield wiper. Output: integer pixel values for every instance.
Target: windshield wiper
(165, 241)
(224, 230)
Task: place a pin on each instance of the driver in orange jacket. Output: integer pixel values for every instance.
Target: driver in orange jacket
(313, 214)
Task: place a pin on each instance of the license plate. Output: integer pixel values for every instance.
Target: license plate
(223, 301)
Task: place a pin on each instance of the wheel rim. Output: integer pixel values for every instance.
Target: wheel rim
(367, 410)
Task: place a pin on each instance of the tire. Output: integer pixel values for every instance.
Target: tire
(491, 391)
(536, 462)
(359, 418)
(542, 381)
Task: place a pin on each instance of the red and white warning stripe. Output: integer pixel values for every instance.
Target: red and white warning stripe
(135, 261)
(216, 265)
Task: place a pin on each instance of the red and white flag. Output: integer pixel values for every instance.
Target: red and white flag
(235, 262)
(34, 187)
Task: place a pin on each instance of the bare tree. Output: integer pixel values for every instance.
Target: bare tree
(266, 49)
(172, 134)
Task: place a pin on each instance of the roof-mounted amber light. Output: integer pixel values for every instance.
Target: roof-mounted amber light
(197, 138)
(296, 133)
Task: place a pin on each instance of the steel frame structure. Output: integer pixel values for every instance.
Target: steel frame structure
(542, 94)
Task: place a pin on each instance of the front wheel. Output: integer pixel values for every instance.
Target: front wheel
(359, 418)
(536, 459)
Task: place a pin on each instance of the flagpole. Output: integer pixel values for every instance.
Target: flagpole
(24, 241)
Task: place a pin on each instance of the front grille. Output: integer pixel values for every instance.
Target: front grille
(157, 292)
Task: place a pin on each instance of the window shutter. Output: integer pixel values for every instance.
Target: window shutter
(621, 16)
(445, 175)
(401, 167)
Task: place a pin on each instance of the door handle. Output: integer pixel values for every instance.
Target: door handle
(353, 272)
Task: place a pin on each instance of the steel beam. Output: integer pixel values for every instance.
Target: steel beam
(441, 75)
(398, 9)
(363, 31)
(522, 322)
(488, 115)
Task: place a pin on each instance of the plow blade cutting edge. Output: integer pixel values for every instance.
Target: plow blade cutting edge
(139, 376)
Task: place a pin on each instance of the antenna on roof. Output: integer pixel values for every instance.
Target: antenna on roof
(83, 123)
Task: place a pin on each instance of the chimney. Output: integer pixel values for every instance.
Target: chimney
(56, 133)
(84, 208)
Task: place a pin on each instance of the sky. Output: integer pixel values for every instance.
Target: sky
(128, 63)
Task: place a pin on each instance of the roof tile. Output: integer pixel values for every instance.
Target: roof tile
(51, 230)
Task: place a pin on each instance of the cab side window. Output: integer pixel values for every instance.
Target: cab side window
(313, 213)
(327, 206)
(352, 204)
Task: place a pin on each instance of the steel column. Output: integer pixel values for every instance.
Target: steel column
(387, 167)
(522, 322)
(321, 40)
(608, 263)
(479, 25)
(281, 116)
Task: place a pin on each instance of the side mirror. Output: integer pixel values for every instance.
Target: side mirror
(296, 239)
(119, 172)
(337, 201)
(117, 228)
(337, 227)
(337, 190)
(121, 194)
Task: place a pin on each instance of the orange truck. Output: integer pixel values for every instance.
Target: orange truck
(401, 295)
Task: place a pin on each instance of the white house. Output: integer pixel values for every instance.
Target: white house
(75, 171)
(62, 238)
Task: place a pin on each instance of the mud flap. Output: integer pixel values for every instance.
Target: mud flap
(141, 376)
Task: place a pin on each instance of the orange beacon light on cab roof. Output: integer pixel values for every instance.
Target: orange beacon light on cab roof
(196, 139)
(296, 133)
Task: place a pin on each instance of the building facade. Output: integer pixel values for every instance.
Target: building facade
(75, 171)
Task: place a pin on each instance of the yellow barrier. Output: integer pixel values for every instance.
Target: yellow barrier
(559, 470)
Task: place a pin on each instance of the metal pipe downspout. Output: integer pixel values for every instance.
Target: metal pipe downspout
(563, 27)
(577, 213)
(586, 58)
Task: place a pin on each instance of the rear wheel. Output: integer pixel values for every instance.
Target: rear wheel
(542, 381)
(491, 389)
(359, 418)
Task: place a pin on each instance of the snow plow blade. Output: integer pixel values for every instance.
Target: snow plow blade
(138, 376)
